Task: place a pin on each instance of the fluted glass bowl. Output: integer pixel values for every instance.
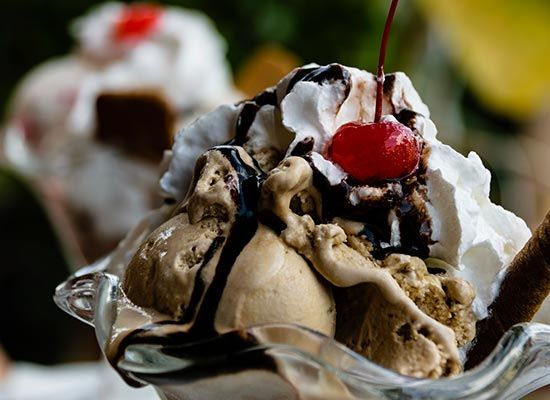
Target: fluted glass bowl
(282, 361)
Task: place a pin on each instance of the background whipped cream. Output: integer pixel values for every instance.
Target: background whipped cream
(476, 237)
(183, 57)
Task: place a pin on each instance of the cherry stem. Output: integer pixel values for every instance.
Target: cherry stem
(381, 59)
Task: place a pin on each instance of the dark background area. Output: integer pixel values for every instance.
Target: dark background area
(33, 264)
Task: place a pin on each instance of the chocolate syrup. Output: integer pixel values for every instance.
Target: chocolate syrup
(327, 73)
(389, 83)
(407, 118)
(226, 354)
(303, 147)
(271, 220)
(244, 122)
(229, 353)
(243, 229)
(248, 114)
(199, 286)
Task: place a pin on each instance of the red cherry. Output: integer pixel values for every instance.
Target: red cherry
(137, 21)
(375, 151)
(30, 130)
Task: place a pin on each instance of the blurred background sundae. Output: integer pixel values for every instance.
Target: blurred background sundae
(89, 128)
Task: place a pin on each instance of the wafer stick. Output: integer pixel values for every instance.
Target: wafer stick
(524, 288)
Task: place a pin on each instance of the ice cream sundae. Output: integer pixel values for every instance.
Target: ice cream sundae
(327, 203)
(398, 259)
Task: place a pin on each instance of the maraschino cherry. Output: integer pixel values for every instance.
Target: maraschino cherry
(137, 21)
(375, 152)
(380, 150)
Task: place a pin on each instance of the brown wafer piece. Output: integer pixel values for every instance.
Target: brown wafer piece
(139, 122)
(524, 288)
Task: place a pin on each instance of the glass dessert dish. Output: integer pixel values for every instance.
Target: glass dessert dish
(285, 360)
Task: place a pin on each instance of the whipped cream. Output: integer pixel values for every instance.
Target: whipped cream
(469, 232)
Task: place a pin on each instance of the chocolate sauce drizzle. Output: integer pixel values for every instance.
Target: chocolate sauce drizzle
(242, 231)
(407, 118)
(226, 354)
(240, 352)
(389, 82)
(248, 114)
(200, 284)
(328, 73)
(303, 147)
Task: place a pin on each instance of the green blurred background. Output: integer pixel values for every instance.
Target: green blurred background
(482, 67)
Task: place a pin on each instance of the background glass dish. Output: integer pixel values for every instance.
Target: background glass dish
(287, 361)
